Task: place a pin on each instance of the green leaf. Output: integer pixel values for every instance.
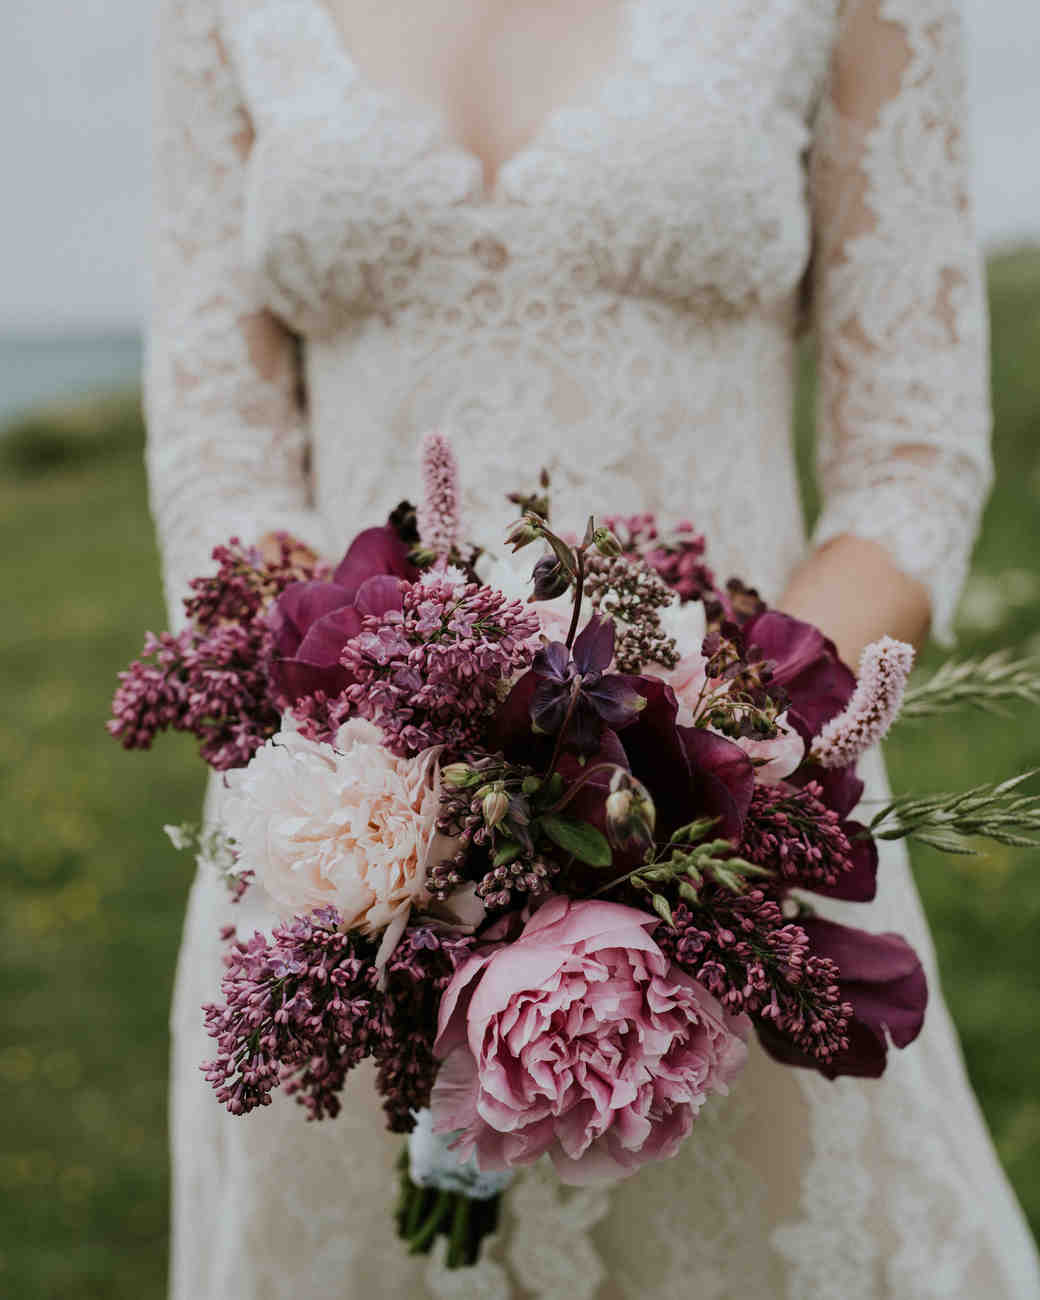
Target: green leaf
(508, 851)
(579, 839)
(663, 908)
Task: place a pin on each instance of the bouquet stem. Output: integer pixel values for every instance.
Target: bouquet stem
(424, 1213)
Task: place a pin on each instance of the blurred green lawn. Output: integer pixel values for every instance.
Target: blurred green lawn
(91, 894)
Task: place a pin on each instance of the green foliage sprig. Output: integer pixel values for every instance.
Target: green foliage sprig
(950, 821)
(990, 684)
(687, 862)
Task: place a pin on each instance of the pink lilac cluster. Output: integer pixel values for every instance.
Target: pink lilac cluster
(795, 834)
(210, 679)
(883, 673)
(743, 950)
(429, 673)
(677, 558)
(437, 516)
(301, 1009)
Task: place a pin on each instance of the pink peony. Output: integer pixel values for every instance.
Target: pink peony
(582, 1040)
(349, 825)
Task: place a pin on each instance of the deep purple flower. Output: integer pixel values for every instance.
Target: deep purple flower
(881, 976)
(574, 688)
(806, 665)
(311, 622)
(689, 771)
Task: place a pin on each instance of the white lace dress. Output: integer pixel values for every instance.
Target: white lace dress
(332, 278)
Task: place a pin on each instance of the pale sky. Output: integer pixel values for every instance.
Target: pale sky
(75, 107)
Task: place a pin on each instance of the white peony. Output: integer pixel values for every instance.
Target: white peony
(349, 825)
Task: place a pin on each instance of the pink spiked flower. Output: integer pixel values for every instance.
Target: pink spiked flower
(883, 670)
(438, 512)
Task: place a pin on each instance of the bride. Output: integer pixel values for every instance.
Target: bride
(586, 235)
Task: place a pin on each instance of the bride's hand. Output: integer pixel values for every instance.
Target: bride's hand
(853, 592)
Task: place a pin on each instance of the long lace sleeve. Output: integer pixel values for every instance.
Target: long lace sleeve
(898, 297)
(227, 441)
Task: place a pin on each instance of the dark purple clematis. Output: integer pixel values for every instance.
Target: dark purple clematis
(312, 621)
(574, 688)
(806, 665)
(882, 977)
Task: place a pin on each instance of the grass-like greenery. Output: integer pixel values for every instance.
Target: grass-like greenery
(91, 894)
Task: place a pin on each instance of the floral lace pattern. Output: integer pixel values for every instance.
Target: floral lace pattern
(623, 306)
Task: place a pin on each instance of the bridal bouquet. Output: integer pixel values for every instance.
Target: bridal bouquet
(544, 841)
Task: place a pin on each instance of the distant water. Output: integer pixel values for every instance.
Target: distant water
(35, 370)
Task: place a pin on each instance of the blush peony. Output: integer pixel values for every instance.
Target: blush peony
(349, 825)
(581, 1040)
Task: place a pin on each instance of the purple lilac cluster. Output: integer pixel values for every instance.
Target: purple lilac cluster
(416, 975)
(677, 558)
(210, 679)
(304, 1007)
(428, 674)
(793, 833)
(755, 961)
(300, 1008)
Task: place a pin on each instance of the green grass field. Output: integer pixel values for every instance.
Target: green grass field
(91, 894)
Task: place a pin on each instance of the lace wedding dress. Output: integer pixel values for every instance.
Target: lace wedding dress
(333, 276)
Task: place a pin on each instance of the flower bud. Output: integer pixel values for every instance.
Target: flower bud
(456, 776)
(631, 815)
(619, 806)
(522, 534)
(494, 807)
(606, 543)
(549, 578)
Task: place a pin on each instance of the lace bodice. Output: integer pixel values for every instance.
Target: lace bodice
(742, 169)
(623, 306)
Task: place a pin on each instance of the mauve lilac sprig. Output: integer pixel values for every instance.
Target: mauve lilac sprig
(678, 558)
(303, 1008)
(437, 515)
(210, 679)
(754, 960)
(299, 1008)
(794, 834)
(417, 973)
(428, 674)
(884, 668)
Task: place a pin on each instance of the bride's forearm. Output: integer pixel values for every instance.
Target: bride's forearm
(853, 592)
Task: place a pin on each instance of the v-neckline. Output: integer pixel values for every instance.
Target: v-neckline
(589, 96)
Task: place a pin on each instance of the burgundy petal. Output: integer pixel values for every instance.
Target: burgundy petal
(723, 777)
(657, 755)
(864, 1058)
(860, 884)
(807, 665)
(374, 551)
(589, 804)
(379, 595)
(882, 977)
(323, 644)
(298, 607)
(842, 788)
(594, 647)
(511, 728)
(292, 680)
